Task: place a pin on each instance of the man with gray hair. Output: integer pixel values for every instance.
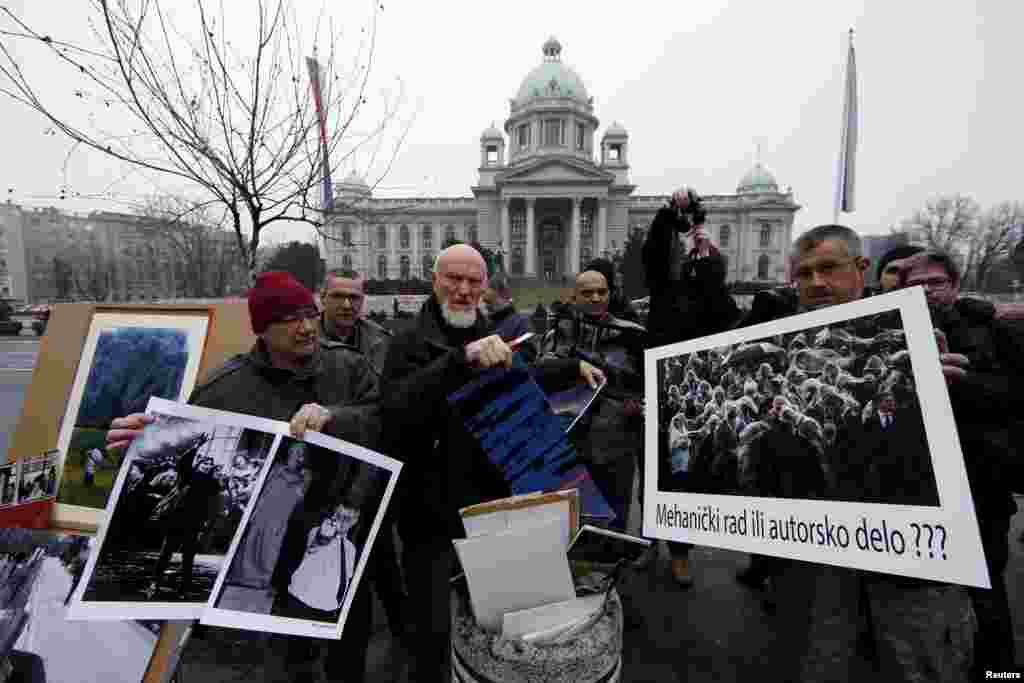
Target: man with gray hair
(922, 630)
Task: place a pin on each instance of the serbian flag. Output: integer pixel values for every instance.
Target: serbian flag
(848, 140)
(327, 193)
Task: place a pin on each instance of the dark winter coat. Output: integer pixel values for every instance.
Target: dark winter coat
(784, 465)
(369, 338)
(445, 468)
(689, 298)
(337, 378)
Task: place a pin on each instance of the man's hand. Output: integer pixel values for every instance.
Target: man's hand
(954, 366)
(311, 416)
(489, 352)
(592, 375)
(124, 429)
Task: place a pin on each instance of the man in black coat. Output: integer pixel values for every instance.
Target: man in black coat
(984, 368)
(446, 469)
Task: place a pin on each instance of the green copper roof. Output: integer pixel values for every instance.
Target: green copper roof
(552, 78)
(758, 179)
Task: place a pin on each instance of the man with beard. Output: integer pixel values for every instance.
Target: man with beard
(446, 469)
(336, 391)
(922, 630)
(984, 372)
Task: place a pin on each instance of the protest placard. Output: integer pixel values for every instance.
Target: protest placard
(826, 437)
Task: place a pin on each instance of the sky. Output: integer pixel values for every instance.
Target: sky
(700, 86)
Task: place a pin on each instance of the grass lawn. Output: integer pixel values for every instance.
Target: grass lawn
(529, 295)
(73, 490)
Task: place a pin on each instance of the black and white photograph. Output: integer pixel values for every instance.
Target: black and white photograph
(825, 437)
(38, 478)
(823, 412)
(302, 547)
(39, 571)
(8, 484)
(178, 501)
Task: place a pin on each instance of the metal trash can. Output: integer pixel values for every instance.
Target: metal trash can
(593, 655)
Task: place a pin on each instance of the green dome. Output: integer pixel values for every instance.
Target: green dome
(758, 179)
(552, 78)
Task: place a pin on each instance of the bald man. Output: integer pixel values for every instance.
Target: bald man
(445, 467)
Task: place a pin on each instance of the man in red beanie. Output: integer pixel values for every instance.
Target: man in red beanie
(291, 375)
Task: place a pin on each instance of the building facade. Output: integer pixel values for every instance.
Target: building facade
(549, 197)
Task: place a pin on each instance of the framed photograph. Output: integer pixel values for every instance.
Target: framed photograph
(826, 437)
(305, 540)
(177, 504)
(39, 570)
(128, 357)
(38, 477)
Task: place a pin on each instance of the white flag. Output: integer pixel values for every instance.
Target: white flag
(848, 139)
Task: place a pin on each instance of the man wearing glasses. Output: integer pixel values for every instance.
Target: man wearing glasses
(983, 363)
(921, 630)
(342, 298)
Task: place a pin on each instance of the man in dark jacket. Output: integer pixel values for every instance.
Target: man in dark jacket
(446, 469)
(290, 375)
(921, 629)
(343, 298)
(984, 368)
(685, 274)
(508, 323)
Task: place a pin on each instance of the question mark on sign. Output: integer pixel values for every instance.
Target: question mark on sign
(942, 545)
(931, 536)
(917, 537)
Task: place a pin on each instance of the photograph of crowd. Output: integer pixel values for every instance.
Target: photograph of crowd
(177, 504)
(823, 413)
(38, 478)
(299, 552)
(39, 571)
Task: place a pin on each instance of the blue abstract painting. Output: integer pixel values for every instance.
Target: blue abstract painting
(509, 414)
(129, 366)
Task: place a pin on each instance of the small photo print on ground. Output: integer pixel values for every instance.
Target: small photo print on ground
(177, 504)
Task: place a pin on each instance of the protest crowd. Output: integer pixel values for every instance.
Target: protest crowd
(798, 416)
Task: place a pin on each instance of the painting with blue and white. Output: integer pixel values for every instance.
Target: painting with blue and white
(509, 414)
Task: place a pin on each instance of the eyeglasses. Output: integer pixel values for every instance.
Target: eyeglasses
(825, 269)
(938, 284)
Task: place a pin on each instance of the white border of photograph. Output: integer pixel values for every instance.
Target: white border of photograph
(193, 323)
(964, 561)
(214, 616)
(97, 610)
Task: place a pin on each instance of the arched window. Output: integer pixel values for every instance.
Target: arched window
(403, 267)
(766, 235)
(517, 260)
(382, 267)
(382, 237)
(427, 265)
(427, 236)
(346, 261)
(403, 237)
(449, 234)
(764, 264)
(724, 235)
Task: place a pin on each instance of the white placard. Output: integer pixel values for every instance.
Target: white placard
(913, 517)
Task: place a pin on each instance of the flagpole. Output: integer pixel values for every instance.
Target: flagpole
(847, 139)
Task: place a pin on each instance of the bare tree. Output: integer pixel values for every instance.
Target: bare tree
(944, 223)
(240, 130)
(993, 240)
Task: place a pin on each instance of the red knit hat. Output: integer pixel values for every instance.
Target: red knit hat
(275, 296)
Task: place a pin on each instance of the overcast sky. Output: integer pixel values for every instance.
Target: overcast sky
(698, 85)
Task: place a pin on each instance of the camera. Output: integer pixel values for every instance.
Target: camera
(693, 214)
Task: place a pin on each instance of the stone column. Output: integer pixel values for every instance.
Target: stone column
(602, 227)
(531, 240)
(574, 240)
(392, 231)
(506, 233)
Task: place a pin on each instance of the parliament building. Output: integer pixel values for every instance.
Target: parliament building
(549, 197)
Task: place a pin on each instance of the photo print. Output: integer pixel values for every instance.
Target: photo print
(824, 437)
(305, 540)
(177, 503)
(127, 358)
(39, 571)
(9, 484)
(38, 478)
